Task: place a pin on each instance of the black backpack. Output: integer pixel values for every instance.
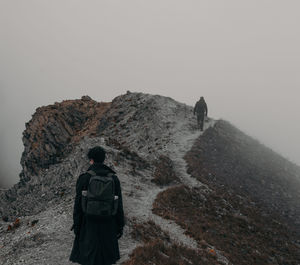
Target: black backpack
(99, 200)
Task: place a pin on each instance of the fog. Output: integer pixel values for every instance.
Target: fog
(242, 56)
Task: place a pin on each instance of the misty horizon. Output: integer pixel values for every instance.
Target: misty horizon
(242, 57)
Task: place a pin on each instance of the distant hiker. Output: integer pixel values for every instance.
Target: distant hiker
(201, 110)
(98, 214)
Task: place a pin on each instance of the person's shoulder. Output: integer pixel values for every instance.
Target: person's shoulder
(108, 169)
(82, 180)
(83, 176)
(115, 178)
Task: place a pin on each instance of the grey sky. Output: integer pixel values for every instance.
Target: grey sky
(242, 56)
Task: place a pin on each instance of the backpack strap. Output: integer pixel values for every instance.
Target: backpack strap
(92, 172)
(94, 176)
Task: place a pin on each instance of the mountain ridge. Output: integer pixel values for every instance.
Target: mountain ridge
(136, 130)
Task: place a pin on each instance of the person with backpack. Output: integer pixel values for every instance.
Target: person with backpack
(98, 217)
(201, 110)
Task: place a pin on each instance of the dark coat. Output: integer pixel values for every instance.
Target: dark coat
(201, 107)
(96, 241)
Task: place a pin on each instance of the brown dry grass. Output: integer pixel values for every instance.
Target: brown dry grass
(164, 173)
(148, 232)
(160, 250)
(236, 228)
(224, 157)
(159, 253)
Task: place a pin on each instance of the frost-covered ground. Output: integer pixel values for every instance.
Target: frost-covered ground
(147, 125)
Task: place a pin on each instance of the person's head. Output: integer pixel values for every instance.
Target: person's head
(96, 155)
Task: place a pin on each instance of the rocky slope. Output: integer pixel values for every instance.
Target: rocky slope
(153, 144)
(53, 130)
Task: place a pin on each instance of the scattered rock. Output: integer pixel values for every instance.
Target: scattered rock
(34, 222)
(14, 225)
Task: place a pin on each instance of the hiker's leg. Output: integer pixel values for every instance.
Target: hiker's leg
(201, 121)
(198, 121)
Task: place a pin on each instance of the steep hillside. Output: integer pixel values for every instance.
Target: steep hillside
(226, 158)
(175, 213)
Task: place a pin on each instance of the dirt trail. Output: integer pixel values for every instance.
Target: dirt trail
(150, 126)
(182, 135)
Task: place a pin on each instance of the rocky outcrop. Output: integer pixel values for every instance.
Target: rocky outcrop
(142, 122)
(54, 130)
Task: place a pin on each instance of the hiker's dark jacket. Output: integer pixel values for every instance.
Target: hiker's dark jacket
(96, 240)
(201, 108)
